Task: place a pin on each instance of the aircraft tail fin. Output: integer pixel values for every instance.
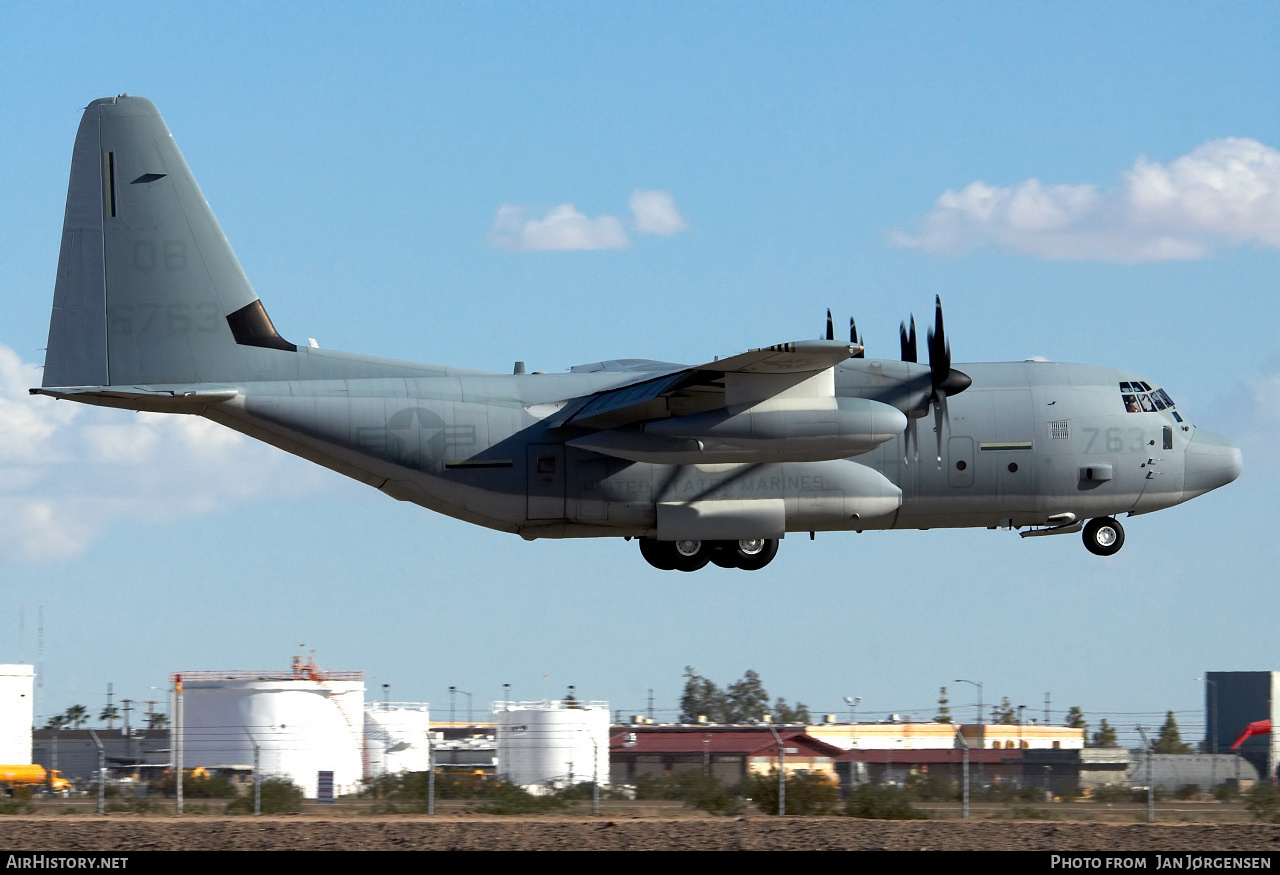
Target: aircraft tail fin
(148, 290)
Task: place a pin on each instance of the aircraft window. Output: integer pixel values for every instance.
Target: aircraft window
(961, 465)
(1176, 416)
(1168, 437)
(1013, 467)
(546, 464)
(1138, 396)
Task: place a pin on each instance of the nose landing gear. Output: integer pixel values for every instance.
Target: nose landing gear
(1103, 536)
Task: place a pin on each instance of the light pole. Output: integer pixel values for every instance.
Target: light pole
(257, 773)
(979, 686)
(964, 745)
(453, 690)
(102, 771)
(982, 738)
(782, 770)
(1213, 733)
(1151, 784)
(853, 707)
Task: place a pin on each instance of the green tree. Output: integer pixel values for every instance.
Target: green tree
(156, 720)
(57, 721)
(747, 699)
(1004, 713)
(1105, 736)
(881, 802)
(783, 713)
(808, 793)
(701, 698)
(110, 714)
(279, 796)
(1170, 740)
(1075, 718)
(1263, 802)
(944, 707)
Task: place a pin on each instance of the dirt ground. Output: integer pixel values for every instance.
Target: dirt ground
(119, 832)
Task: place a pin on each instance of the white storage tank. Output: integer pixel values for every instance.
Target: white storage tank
(17, 683)
(304, 721)
(396, 738)
(554, 743)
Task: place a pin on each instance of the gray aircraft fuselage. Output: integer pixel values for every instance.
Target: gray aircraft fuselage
(153, 312)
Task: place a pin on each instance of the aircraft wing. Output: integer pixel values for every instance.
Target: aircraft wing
(703, 387)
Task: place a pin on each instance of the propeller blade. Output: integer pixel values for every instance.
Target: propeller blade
(854, 338)
(908, 341)
(940, 416)
(831, 328)
(939, 349)
(946, 380)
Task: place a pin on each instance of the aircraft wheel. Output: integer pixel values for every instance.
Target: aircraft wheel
(755, 553)
(660, 554)
(724, 554)
(1103, 536)
(691, 555)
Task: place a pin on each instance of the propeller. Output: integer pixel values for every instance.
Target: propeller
(946, 380)
(853, 335)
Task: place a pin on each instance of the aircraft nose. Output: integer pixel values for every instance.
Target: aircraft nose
(1211, 461)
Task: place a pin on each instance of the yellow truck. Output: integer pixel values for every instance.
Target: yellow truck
(33, 776)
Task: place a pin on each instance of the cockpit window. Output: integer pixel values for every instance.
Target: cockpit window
(1138, 397)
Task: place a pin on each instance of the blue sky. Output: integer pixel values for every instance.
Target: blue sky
(1077, 181)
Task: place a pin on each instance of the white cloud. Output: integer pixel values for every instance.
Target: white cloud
(1224, 193)
(69, 471)
(655, 213)
(562, 228)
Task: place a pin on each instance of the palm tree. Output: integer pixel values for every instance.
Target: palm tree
(77, 716)
(110, 714)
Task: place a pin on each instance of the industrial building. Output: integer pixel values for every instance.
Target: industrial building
(296, 723)
(397, 738)
(17, 684)
(729, 753)
(1235, 699)
(131, 755)
(942, 736)
(552, 742)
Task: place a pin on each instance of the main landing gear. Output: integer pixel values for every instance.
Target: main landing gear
(751, 554)
(1103, 536)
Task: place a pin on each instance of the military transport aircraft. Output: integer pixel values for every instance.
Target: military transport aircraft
(711, 463)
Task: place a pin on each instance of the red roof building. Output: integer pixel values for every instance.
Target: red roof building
(729, 753)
